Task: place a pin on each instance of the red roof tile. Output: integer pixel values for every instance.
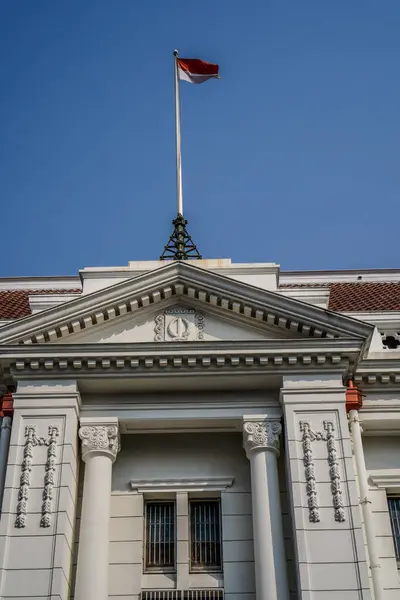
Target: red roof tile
(359, 296)
(364, 296)
(344, 297)
(14, 304)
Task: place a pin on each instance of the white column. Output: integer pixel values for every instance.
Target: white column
(261, 442)
(100, 445)
(376, 572)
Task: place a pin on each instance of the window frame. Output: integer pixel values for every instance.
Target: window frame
(158, 568)
(389, 481)
(396, 538)
(205, 568)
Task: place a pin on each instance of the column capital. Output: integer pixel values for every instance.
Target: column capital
(261, 435)
(99, 436)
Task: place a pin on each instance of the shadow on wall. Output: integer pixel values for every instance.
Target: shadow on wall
(176, 455)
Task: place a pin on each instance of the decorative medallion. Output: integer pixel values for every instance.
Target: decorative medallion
(179, 325)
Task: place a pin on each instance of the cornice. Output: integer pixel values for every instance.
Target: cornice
(182, 280)
(121, 359)
(386, 479)
(40, 283)
(379, 371)
(339, 276)
(194, 484)
(384, 319)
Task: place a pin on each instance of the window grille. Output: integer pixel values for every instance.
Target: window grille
(205, 536)
(394, 512)
(160, 535)
(215, 594)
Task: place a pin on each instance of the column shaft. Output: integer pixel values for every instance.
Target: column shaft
(93, 556)
(262, 529)
(100, 446)
(261, 441)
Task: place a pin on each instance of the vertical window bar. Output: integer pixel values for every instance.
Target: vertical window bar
(205, 543)
(211, 557)
(159, 519)
(160, 536)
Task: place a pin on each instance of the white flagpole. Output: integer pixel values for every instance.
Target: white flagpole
(179, 201)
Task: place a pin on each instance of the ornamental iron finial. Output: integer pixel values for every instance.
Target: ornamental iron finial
(180, 245)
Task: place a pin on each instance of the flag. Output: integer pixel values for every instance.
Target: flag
(195, 70)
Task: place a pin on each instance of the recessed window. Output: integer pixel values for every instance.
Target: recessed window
(205, 535)
(160, 536)
(394, 512)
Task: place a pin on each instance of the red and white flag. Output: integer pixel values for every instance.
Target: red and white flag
(195, 70)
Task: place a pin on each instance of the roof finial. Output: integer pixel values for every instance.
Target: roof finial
(180, 245)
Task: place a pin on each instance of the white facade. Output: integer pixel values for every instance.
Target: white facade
(171, 384)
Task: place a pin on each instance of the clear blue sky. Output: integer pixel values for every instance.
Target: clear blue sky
(293, 156)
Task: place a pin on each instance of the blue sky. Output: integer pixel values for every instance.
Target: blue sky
(292, 157)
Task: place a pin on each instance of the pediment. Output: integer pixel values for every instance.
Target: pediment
(177, 323)
(231, 308)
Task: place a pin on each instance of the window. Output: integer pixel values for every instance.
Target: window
(205, 536)
(160, 535)
(394, 512)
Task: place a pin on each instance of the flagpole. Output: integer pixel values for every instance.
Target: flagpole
(179, 201)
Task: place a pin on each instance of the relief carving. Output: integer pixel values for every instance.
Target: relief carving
(26, 468)
(99, 438)
(309, 469)
(179, 325)
(327, 436)
(334, 472)
(261, 434)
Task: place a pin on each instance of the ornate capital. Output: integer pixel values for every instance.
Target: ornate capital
(261, 435)
(99, 439)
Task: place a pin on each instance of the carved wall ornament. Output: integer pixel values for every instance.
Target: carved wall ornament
(159, 326)
(179, 325)
(309, 469)
(100, 438)
(327, 436)
(261, 434)
(26, 468)
(49, 476)
(334, 472)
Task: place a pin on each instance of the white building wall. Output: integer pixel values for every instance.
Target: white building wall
(197, 455)
(178, 456)
(36, 549)
(382, 454)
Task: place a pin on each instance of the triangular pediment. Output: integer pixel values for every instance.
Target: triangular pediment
(177, 323)
(231, 309)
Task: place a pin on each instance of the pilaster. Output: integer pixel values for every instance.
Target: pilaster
(37, 524)
(325, 510)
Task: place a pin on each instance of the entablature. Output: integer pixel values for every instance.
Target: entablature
(121, 360)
